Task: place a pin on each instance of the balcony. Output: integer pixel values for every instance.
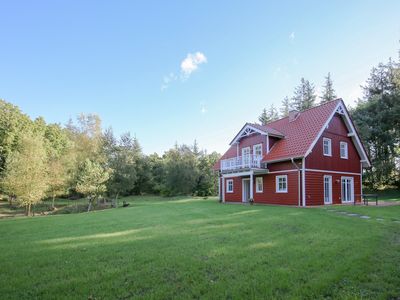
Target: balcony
(250, 161)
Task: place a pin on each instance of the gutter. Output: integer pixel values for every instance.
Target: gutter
(298, 177)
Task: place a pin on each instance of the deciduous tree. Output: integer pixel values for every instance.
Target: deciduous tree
(26, 172)
(92, 181)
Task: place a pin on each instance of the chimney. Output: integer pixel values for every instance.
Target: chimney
(293, 114)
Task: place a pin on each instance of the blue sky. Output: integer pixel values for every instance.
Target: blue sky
(175, 71)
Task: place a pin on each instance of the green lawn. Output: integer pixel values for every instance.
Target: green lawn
(196, 248)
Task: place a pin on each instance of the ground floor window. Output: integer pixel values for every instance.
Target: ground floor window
(281, 184)
(229, 186)
(259, 185)
(327, 189)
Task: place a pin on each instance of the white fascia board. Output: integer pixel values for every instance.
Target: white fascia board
(246, 126)
(349, 126)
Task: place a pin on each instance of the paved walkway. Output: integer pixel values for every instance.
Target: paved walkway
(356, 215)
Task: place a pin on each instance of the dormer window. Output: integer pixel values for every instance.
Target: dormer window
(327, 145)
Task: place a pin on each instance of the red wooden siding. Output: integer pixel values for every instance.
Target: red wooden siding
(272, 141)
(246, 142)
(284, 165)
(236, 196)
(315, 187)
(269, 194)
(337, 132)
(252, 140)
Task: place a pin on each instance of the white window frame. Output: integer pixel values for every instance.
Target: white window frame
(351, 179)
(325, 139)
(228, 181)
(346, 150)
(258, 181)
(254, 149)
(277, 178)
(329, 191)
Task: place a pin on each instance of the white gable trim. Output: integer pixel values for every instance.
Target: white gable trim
(341, 109)
(247, 130)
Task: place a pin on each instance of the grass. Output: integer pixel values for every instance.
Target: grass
(64, 206)
(196, 248)
(387, 195)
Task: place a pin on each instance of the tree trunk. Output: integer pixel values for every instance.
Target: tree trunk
(115, 204)
(52, 205)
(90, 205)
(29, 209)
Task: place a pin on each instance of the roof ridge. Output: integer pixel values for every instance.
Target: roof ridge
(319, 105)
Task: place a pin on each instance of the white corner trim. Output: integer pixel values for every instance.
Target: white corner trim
(303, 181)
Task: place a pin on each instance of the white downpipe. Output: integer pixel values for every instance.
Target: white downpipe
(361, 180)
(303, 179)
(219, 187)
(298, 181)
(223, 189)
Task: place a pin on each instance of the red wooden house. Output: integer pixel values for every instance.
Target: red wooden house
(313, 157)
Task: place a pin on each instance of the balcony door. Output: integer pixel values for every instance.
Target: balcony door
(347, 189)
(246, 157)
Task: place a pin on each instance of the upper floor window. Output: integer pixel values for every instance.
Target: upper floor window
(257, 150)
(327, 145)
(229, 186)
(281, 184)
(343, 150)
(259, 185)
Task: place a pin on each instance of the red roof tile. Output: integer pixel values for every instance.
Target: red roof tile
(300, 133)
(268, 129)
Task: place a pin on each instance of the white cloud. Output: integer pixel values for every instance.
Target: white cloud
(188, 66)
(292, 36)
(191, 63)
(167, 80)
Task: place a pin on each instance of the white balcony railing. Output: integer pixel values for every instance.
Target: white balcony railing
(241, 162)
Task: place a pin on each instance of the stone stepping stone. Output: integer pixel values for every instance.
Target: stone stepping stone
(365, 217)
(379, 219)
(353, 215)
(396, 221)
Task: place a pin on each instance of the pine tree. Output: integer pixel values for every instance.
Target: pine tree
(304, 96)
(329, 93)
(285, 107)
(263, 118)
(273, 114)
(268, 115)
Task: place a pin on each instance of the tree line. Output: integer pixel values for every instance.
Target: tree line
(45, 161)
(376, 116)
(304, 97)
